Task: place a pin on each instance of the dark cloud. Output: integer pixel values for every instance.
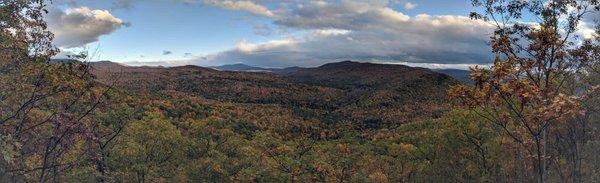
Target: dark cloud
(166, 52)
(76, 27)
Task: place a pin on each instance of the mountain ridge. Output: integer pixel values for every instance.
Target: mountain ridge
(459, 74)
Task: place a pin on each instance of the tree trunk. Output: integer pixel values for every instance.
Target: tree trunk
(545, 141)
(101, 168)
(538, 161)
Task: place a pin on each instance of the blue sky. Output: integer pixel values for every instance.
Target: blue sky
(269, 33)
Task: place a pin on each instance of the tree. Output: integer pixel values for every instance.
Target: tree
(109, 123)
(582, 134)
(526, 91)
(44, 104)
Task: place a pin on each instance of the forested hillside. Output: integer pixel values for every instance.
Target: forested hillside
(347, 91)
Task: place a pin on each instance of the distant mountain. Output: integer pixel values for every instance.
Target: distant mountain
(62, 61)
(343, 69)
(247, 68)
(286, 70)
(349, 74)
(461, 75)
(240, 67)
(107, 64)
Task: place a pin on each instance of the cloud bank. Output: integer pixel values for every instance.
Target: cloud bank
(363, 31)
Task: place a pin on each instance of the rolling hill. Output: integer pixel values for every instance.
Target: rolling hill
(375, 95)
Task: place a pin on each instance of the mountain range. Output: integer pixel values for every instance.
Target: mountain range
(459, 74)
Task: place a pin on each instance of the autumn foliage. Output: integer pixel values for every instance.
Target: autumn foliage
(532, 116)
(528, 91)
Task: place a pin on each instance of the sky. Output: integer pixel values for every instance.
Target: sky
(272, 33)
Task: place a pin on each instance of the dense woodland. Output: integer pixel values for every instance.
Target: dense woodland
(532, 117)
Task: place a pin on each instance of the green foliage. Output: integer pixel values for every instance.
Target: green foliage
(150, 148)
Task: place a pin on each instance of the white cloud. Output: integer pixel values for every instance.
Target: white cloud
(241, 5)
(76, 27)
(248, 6)
(330, 32)
(586, 27)
(409, 6)
(586, 31)
(250, 48)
